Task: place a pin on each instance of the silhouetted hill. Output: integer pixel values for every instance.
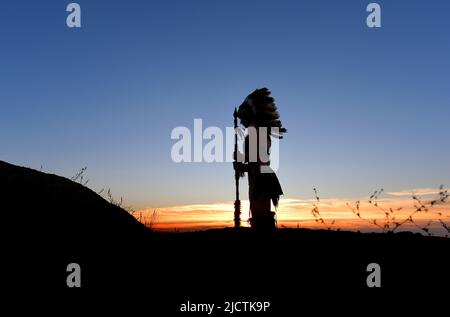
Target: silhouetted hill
(48, 205)
(51, 221)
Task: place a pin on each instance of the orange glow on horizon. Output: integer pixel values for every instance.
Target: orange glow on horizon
(297, 213)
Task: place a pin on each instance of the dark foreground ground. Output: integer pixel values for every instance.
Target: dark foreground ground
(50, 222)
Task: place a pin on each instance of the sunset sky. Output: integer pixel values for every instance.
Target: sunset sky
(337, 213)
(364, 108)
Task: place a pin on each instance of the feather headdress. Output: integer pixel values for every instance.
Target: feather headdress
(259, 108)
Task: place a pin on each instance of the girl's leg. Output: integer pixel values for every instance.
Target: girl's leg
(262, 217)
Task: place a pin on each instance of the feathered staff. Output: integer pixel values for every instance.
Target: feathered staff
(237, 174)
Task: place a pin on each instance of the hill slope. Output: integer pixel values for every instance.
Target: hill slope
(48, 207)
(51, 221)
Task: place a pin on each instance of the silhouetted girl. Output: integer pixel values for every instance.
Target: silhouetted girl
(259, 111)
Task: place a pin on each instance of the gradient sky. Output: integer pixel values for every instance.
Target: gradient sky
(365, 108)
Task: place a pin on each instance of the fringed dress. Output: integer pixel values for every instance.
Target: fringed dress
(264, 187)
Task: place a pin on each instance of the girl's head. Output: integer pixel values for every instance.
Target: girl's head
(259, 110)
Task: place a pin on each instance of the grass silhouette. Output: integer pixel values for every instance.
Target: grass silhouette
(391, 223)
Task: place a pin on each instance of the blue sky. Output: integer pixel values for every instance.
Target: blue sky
(365, 108)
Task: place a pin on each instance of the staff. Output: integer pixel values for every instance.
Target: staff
(237, 202)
